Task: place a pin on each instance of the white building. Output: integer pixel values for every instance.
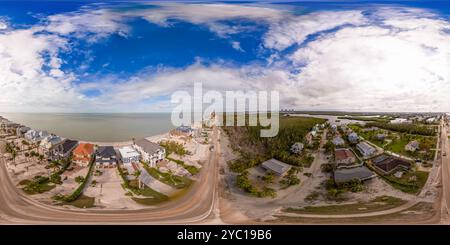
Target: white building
(129, 155)
(353, 138)
(35, 136)
(150, 152)
(48, 143)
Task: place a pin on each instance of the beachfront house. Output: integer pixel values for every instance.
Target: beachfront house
(20, 131)
(35, 135)
(183, 131)
(129, 155)
(64, 150)
(338, 141)
(365, 149)
(353, 138)
(344, 158)
(297, 148)
(150, 152)
(83, 153)
(105, 157)
(412, 146)
(275, 166)
(48, 144)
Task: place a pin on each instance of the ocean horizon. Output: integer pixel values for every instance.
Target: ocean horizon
(96, 127)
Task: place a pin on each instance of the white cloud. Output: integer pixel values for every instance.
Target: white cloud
(237, 46)
(378, 68)
(295, 29)
(100, 22)
(23, 82)
(396, 59)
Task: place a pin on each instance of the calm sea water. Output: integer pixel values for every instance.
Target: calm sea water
(110, 127)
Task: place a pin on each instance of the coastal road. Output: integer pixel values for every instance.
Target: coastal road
(445, 169)
(196, 206)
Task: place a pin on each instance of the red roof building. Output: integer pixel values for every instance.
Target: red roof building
(82, 155)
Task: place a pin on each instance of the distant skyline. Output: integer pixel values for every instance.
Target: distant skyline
(130, 57)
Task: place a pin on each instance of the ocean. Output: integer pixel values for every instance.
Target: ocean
(97, 127)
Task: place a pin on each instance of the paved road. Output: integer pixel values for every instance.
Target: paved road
(195, 206)
(445, 168)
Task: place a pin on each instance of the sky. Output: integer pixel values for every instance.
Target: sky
(89, 56)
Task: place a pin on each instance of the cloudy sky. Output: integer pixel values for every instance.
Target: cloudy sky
(130, 57)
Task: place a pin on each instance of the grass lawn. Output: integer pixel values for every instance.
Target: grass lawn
(377, 204)
(175, 181)
(403, 183)
(191, 169)
(83, 202)
(152, 197)
(39, 188)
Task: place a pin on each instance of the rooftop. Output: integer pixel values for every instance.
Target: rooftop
(127, 152)
(347, 174)
(276, 166)
(148, 146)
(341, 154)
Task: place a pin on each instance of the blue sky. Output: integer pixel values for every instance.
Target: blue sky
(130, 57)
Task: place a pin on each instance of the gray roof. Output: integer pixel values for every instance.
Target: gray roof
(363, 146)
(276, 166)
(148, 146)
(106, 152)
(347, 174)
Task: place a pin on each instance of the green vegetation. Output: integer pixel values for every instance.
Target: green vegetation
(191, 169)
(175, 181)
(174, 147)
(405, 128)
(426, 146)
(152, 197)
(254, 149)
(410, 182)
(367, 119)
(243, 182)
(77, 193)
(79, 179)
(290, 178)
(377, 204)
(83, 202)
(335, 190)
(37, 186)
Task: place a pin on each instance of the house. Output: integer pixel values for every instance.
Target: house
(338, 141)
(380, 137)
(334, 127)
(20, 131)
(150, 152)
(431, 120)
(63, 151)
(388, 164)
(35, 136)
(129, 155)
(412, 146)
(82, 155)
(105, 157)
(348, 174)
(48, 143)
(183, 131)
(344, 158)
(365, 149)
(275, 166)
(297, 148)
(353, 138)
